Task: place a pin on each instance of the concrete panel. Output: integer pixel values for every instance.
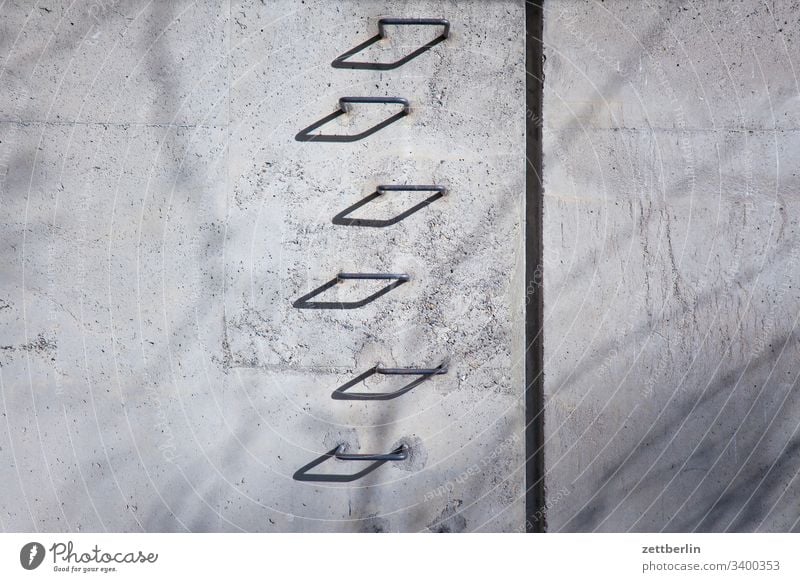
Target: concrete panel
(110, 244)
(115, 61)
(158, 220)
(671, 253)
(463, 252)
(695, 65)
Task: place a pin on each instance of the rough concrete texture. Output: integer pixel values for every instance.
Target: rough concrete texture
(671, 256)
(159, 219)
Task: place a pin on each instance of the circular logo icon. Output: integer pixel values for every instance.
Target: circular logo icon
(31, 555)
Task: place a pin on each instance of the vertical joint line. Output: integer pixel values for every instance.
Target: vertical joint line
(535, 502)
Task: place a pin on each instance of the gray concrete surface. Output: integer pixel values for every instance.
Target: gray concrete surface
(671, 258)
(159, 219)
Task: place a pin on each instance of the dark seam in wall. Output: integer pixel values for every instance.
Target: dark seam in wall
(535, 518)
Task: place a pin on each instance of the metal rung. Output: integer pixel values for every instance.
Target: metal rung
(424, 374)
(382, 189)
(345, 102)
(412, 371)
(374, 276)
(399, 454)
(384, 22)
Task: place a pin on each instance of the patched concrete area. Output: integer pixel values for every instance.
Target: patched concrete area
(671, 258)
(159, 220)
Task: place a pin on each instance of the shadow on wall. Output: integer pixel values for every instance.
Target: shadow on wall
(718, 459)
(724, 454)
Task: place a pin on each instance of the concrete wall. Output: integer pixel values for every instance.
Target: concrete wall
(159, 219)
(671, 257)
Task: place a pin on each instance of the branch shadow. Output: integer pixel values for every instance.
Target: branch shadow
(706, 493)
